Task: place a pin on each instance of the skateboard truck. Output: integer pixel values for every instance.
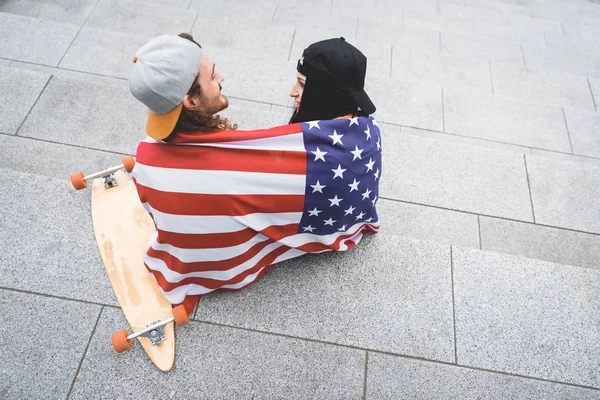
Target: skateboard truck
(80, 182)
(155, 331)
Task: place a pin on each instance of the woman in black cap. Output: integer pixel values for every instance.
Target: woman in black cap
(330, 82)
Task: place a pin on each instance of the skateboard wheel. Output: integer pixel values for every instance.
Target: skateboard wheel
(77, 181)
(128, 163)
(120, 341)
(181, 315)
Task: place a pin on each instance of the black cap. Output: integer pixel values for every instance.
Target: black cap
(337, 61)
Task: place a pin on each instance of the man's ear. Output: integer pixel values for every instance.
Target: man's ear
(191, 101)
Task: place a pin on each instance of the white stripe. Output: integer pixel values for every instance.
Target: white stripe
(213, 254)
(294, 142)
(157, 264)
(218, 182)
(198, 224)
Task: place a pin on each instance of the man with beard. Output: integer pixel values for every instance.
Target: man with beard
(229, 204)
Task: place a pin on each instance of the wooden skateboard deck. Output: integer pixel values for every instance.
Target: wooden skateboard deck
(123, 231)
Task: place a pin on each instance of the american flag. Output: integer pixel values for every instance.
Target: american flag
(230, 204)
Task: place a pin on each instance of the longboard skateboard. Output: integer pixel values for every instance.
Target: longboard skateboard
(123, 231)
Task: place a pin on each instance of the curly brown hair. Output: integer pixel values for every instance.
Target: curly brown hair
(198, 120)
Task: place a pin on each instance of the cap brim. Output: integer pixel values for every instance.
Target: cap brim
(363, 101)
(160, 126)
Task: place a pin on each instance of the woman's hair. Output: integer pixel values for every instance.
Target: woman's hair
(198, 120)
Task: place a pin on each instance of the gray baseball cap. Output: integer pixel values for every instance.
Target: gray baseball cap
(161, 74)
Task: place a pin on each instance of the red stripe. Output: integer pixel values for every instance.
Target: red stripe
(220, 204)
(235, 136)
(221, 159)
(215, 240)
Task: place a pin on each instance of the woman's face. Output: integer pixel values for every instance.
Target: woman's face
(298, 89)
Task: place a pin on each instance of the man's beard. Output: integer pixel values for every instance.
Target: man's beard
(203, 118)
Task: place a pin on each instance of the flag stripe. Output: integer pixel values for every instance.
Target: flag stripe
(235, 136)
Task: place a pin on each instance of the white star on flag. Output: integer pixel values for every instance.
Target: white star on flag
(378, 145)
(308, 228)
(350, 210)
(370, 165)
(357, 153)
(360, 216)
(354, 185)
(319, 155)
(329, 221)
(368, 132)
(375, 122)
(343, 228)
(336, 138)
(335, 201)
(338, 172)
(314, 212)
(318, 187)
(313, 124)
(353, 121)
(374, 201)
(377, 174)
(369, 220)
(366, 194)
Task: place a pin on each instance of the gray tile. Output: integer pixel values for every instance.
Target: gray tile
(257, 11)
(401, 38)
(573, 14)
(565, 194)
(388, 12)
(386, 294)
(232, 35)
(454, 176)
(447, 71)
(527, 317)
(565, 157)
(20, 89)
(315, 16)
(540, 242)
(516, 82)
(404, 103)
(69, 74)
(67, 11)
(5, 62)
(573, 61)
(251, 115)
(421, 20)
(220, 363)
(506, 121)
(89, 114)
(140, 18)
(35, 40)
(391, 377)
(484, 48)
(516, 28)
(42, 341)
(584, 128)
(475, 9)
(47, 235)
(584, 32)
(102, 52)
(595, 86)
(457, 139)
(562, 41)
(428, 223)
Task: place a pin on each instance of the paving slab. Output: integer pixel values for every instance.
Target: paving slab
(103, 52)
(5, 62)
(474, 9)
(565, 194)
(584, 129)
(403, 39)
(220, 363)
(20, 90)
(47, 235)
(388, 294)
(565, 157)
(428, 223)
(434, 22)
(233, 35)
(85, 113)
(41, 346)
(457, 139)
(140, 18)
(506, 121)
(572, 12)
(562, 40)
(484, 48)
(312, 16)
(67, 11)
(540, 242)
(516, 28)
(595, 88)
(257, 11)
(447, 71)
(404, 103)
(455, 176)
(68, 73)
(34, 40)
(516, 82)
(527, 317)
(574, 61)
(428, 380)
(382, 11)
